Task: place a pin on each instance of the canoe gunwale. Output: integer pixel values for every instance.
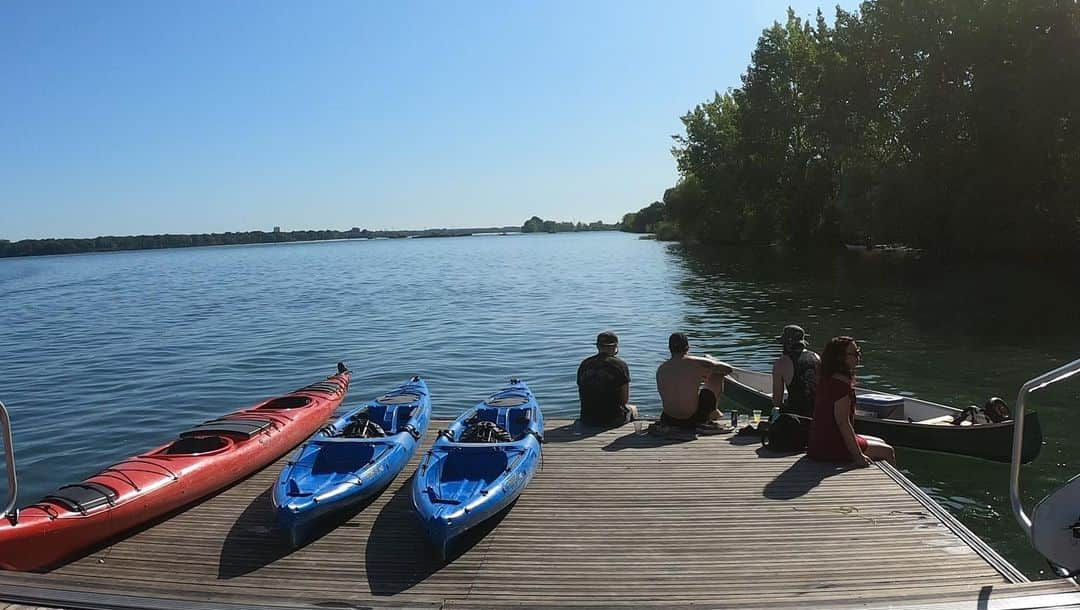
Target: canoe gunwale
(991, 441)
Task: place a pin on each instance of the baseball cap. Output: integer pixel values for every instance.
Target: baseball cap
(607, 338)
(793, 335)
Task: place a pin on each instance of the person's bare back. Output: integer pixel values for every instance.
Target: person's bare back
(679, 379)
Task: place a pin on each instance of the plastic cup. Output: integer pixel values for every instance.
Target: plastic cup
(637, 426)
(756, 416)
(744, 420)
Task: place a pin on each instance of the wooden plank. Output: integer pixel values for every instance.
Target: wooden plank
(613, 519)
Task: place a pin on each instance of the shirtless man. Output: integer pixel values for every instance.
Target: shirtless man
(689, 407)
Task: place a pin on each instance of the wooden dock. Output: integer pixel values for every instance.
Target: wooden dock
(614, 519)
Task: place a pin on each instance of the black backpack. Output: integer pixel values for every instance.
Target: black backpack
(788, 433)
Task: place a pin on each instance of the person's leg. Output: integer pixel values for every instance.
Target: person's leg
(706, 407)
(877, 449)
(715, 384)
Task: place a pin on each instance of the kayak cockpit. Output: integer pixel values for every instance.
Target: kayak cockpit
(196, 445)
(461, 472)
(284, 403)
(375, 421)
(343, 457)
(493, 425)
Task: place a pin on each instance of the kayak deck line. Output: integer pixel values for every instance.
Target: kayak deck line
(613, 519)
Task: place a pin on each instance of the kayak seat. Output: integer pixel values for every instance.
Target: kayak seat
(488, 415)
(361, 426)
(83, 497)
(383, 416)
(517, 421)
(245, 428)
(402, 416)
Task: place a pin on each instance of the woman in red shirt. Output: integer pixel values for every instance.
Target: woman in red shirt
(832, 432)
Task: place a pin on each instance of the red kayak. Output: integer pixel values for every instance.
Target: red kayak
(202, 461)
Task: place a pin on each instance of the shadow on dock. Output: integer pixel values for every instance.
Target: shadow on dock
(256, 540)
(574, 431)
(253, 541)
(799, 478)
(642, 440)
(399, 556)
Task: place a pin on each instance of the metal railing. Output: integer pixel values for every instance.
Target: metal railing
(9, 457)
(1040, 382)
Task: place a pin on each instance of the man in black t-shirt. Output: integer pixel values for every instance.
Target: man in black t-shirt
(604, 385)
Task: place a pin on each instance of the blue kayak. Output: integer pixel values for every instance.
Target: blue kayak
(352, 459)
(479, 465)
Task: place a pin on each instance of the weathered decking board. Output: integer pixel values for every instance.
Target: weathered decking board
(614, 519)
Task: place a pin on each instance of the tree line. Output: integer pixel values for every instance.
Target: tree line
(952, 126)
(539, 225)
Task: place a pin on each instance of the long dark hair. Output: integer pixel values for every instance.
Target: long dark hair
(834, 358)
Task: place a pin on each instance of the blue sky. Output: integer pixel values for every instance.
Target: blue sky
(122, 118)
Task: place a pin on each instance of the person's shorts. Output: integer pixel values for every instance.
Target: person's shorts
(706, 405)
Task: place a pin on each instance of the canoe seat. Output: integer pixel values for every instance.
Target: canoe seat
(245, 428)
(937, 421)
(83, 497)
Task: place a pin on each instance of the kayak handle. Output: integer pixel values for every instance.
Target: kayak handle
(9, 511)
(1040, 382)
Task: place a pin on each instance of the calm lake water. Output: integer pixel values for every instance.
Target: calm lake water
(105, 355)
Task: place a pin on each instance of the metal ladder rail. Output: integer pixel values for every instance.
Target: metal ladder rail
(10, 512)
(1040, 382)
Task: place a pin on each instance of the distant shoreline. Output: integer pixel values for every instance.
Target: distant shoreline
(110, 243)
(90, 245)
